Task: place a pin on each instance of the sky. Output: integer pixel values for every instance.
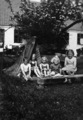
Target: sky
(35, 0)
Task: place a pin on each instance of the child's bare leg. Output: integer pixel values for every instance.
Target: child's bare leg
(64, 73)
(38, 73)
(69, 73)
(25, 77)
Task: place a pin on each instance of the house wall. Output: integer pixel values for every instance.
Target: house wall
(8, 35)
(73, 38)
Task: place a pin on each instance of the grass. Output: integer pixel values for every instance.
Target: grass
(22, 100)
(56, 101)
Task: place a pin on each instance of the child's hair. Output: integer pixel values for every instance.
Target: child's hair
(44, 58)
(33, 54)
(24, 59)
(70, 50)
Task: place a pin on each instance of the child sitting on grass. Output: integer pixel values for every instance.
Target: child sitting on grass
(25, 70)
(69, 64)
(55, 65)
(44, 67)
(33, 63)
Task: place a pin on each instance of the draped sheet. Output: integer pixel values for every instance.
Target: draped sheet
(15, 69)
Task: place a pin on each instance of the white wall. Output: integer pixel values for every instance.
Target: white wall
(73, 41)
(8, 35)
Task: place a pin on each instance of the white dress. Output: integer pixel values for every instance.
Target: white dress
(25, 71)
(70, 65)
(25, 68)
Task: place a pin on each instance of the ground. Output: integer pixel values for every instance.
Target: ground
(22, 100)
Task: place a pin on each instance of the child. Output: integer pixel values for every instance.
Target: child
(25, 70)
(54, 58)
(55, 65)
(69, 64)
(44, 67)
(33, 63)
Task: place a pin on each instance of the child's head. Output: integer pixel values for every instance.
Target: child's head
(70, 53)
(33, 56)
(44, 59)
(25, 61)
(56, 60)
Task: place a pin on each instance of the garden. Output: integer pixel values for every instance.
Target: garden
(56, 100)
(21, 100)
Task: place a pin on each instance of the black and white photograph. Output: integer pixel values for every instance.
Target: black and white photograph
(41, 59)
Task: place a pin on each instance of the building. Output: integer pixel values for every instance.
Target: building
(7, 37)
(75, 36)
(7, 31)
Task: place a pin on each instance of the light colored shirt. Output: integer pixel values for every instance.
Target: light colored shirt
(71, 62)
(44, 66)
(55, 59)
(25, 68)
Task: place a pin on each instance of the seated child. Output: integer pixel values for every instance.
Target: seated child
(33, 63)
(54, 58)
(69, 64)
(44, 67)
(25, 70)
(55, 65)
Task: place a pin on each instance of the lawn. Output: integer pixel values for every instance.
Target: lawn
(57, 101)
(23, 101)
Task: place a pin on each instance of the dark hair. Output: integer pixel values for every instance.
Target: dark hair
(70, 50)
(24, 59)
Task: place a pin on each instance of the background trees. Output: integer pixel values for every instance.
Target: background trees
(47, 19)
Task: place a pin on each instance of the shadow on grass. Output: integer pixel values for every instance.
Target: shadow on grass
(23, 101)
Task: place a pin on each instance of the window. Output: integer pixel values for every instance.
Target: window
(80, 39)
(1, 38)
(17, 36)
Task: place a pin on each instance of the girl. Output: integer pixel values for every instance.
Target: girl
(44, 67)
(25, 70)
(69, 64)
(55, 66)
(33, 63)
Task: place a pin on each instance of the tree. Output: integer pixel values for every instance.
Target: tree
(47, 20)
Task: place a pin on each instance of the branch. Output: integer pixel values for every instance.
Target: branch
(10, 6)
(72, 24)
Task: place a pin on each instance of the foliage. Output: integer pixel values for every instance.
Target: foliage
(47, 19)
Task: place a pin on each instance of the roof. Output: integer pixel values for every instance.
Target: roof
(76, 27)
(5, 12)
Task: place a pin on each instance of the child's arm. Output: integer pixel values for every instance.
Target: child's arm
(65, 63)
(35, 63)
(52, 60)
(29, 68)
(75, 62)
(22, 70)
(40, 67)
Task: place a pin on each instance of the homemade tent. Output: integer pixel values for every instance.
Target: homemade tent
(27, 52)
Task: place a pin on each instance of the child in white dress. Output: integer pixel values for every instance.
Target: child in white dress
(44, 67)
(25, 70)
(70, 64)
